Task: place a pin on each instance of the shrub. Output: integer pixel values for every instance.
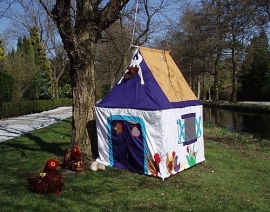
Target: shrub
(6, 86)
(13, 109)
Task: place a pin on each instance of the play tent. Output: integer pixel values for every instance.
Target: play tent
(151, 123)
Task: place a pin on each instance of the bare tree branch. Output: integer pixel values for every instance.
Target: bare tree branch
(5, 8)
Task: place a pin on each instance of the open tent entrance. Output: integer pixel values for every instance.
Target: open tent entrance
(127, 143)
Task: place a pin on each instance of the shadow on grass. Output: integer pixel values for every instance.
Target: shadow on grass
(50, 140)
(54, 148)
(39, 146)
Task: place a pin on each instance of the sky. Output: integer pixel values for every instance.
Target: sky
(4, 22)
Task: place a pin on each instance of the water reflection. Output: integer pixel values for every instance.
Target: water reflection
(256, 124)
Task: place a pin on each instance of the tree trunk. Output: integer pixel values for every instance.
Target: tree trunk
(216, 84)
(79, 37)
(198, 87)
(83, 91)
(203, 87)
(233, 97)
(216, 75)
(56, 88)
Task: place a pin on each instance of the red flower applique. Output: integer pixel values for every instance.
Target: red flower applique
(157, 158)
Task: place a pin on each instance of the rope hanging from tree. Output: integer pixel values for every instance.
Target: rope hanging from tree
(134, 24)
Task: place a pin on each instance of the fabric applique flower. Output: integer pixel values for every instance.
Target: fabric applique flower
(191, 157)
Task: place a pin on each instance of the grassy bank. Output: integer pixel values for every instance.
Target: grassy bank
(241, 107)
(235, 177)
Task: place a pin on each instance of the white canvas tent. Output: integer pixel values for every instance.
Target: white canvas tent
(151, 123)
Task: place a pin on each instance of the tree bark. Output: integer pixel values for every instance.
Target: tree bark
(233, 97)
(79, 37)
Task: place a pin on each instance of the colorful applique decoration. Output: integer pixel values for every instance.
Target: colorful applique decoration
(153, 165)
(182, 135)
(191, 157)
(172, 163)
(176, 164)
(118, 128)
(198, 127)
(135, 131)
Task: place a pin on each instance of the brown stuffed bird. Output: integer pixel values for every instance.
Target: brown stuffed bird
(49, 180)
(73, 159)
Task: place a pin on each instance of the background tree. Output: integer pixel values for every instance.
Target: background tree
(80, 26)
(58, 65)
(6, 86)
(29, 16)
(210, 23)
(241, 19)
(112, 57)
(21, 65)
(2, 55)
(6, 79)
(255, 72)
(220, 30)
(189, 47)
(138, 25)
(46, 89)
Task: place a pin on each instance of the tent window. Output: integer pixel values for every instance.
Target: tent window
(187, 129)
(190, 130)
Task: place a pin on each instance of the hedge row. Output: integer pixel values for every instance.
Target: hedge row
(14, 109)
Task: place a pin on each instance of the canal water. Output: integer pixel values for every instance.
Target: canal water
(234, 121)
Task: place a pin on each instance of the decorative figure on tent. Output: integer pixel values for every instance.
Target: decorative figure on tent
(49, 180)
(118, 128)
(73, 159)
(170, 162)
(176, 164)
(132, 71)
(191, 157)
(153, 165)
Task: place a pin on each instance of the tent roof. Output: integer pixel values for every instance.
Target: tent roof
(159, 84)
(167, 75)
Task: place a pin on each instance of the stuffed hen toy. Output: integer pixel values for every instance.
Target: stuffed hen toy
(73, 159)
(49, 180)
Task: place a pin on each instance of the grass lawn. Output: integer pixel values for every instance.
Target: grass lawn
(235, 177)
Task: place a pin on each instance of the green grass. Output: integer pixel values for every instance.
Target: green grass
(235, 177)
